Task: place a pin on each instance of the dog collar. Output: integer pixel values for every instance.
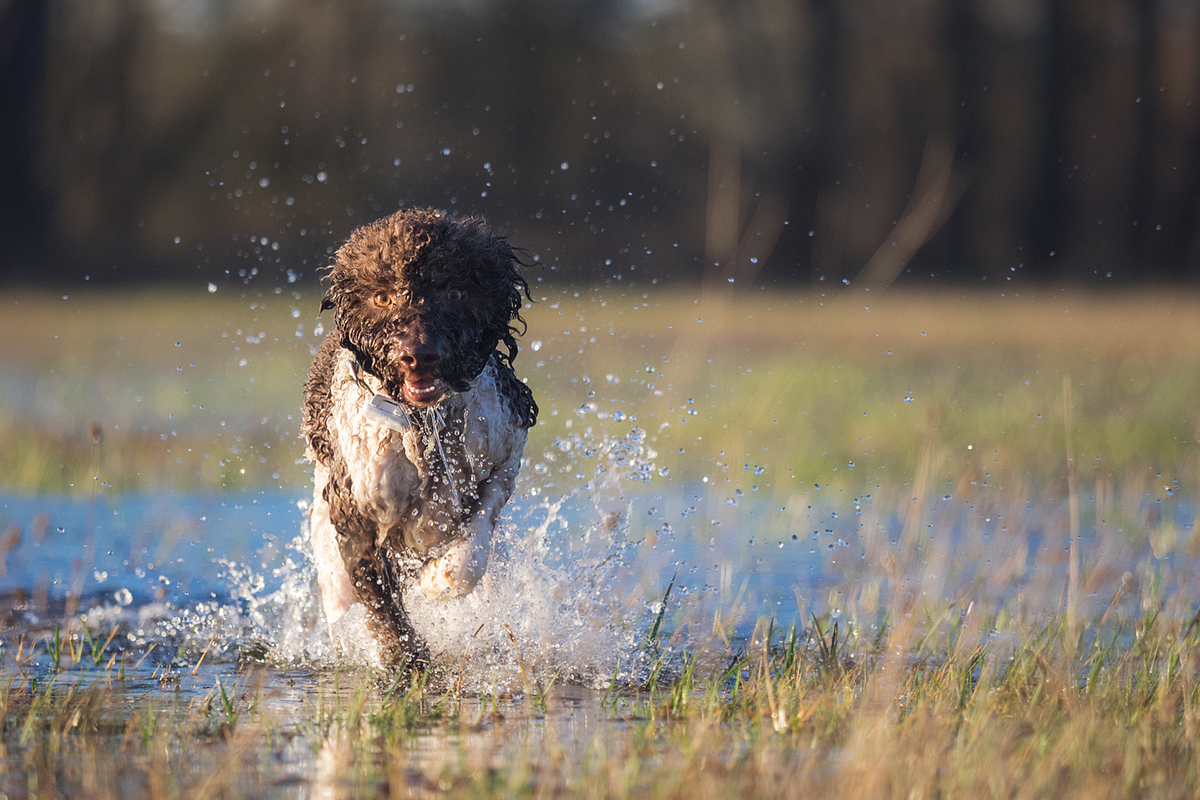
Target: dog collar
(387, 412)
(379, 407)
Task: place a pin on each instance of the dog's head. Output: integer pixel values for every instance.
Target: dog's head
(424, 300)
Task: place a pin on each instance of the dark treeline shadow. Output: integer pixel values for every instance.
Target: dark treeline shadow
(782, 141)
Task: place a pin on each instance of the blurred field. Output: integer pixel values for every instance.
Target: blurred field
(1013, 614)
(152, 390)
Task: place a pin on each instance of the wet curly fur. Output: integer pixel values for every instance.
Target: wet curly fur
(426, 310)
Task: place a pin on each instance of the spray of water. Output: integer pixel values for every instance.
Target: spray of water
(559, 600)
(435, 422)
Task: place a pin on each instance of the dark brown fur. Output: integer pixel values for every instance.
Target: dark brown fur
(454, 297)
(426, 253)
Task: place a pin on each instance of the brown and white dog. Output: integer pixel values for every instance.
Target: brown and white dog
(414, 418)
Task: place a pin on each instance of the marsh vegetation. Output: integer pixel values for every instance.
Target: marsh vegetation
(911, 546)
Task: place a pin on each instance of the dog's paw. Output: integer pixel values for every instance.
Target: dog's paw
(454, 573)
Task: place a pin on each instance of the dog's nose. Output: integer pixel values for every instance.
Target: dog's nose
(420, 357)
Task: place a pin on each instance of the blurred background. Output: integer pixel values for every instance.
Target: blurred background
(772, 142)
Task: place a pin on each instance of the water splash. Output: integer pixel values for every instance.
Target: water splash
(559, 598)
(577, 577)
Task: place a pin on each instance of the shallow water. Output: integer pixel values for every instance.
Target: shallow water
(577, 578)
(232, 573)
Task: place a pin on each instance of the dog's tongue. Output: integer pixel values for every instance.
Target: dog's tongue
(424, 391)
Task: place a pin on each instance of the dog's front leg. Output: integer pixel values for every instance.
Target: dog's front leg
(457, 571)
(372, 577)
(379, 589)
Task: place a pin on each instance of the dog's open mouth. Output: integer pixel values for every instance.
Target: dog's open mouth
(424, 391)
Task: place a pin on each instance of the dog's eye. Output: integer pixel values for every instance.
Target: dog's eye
(454, 295)
(383, 299)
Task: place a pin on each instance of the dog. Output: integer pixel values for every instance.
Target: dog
(413, 417)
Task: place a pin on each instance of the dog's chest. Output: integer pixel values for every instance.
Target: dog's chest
(419, 485)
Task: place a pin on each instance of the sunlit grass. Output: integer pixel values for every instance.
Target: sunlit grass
(973, 704)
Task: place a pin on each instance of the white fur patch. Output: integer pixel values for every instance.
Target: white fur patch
(387, 469)
(337, 590)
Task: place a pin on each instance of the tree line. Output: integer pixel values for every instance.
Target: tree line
(760, 141)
